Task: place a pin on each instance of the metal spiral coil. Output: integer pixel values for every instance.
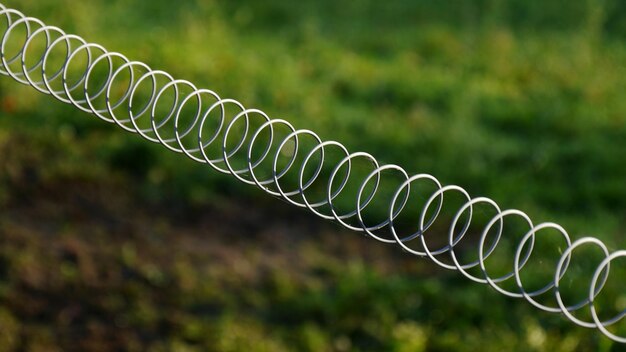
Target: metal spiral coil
(199, 123)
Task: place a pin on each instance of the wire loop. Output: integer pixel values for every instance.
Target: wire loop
(197, 123)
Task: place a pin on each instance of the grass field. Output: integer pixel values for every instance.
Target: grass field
(110, 243)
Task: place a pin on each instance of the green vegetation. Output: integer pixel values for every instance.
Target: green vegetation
(110, 243)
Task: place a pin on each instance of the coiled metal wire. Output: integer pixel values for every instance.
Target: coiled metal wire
(243, 142)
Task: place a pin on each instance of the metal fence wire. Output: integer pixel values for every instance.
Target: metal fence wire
(241, 142)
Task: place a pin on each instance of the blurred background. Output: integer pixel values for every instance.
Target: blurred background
(110, 243)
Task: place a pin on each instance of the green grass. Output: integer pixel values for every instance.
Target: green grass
(521, 101)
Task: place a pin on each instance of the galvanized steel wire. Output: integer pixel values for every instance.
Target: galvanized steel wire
(197, 122)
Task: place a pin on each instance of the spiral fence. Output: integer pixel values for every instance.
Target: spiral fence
(246, 143)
